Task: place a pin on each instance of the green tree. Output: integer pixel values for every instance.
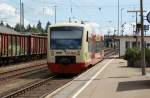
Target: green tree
(39, 27)
(17, 27)
(47, 25)
(29, 28)
(22, 28)
(34, 29)
(8, 26)
(1, 24)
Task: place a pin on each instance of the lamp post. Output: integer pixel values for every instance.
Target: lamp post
(122, 28)
(71, 11)
(118, 17)
(121, 15)
(55, 13)
(99, 11)
(121, 21)
(20, 15)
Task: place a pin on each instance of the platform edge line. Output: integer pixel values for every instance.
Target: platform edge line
(85, 85)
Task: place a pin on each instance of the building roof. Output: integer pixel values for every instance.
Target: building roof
(131, 36)
(128, 36)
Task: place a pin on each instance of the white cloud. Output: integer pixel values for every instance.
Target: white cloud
(8, 15)
(6, 10)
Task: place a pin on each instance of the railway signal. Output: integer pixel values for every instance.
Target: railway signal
(148, 17)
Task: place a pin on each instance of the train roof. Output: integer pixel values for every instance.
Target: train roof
(94, 27)
(67, 24)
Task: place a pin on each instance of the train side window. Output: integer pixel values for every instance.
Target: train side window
(87, 36)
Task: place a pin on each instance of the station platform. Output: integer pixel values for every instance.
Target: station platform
(13, 67)
(111, 78)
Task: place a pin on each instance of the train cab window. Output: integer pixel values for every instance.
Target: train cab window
(87, 36)
(66, 37)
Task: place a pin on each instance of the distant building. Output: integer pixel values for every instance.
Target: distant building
(129, 42)
(4, 29)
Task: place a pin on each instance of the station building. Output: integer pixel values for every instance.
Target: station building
(129, 42)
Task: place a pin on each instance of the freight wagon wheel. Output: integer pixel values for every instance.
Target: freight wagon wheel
(32, 57)
(27, 58)
(23, 58)
(40, 56)
(19, 59)
(1, 62)
(37, 57)
(14, 59)
(5, 61)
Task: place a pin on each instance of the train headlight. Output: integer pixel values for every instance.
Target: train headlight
(78, 53)
(52, 53)
(52, 59)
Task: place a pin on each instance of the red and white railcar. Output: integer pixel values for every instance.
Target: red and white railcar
(72, 47)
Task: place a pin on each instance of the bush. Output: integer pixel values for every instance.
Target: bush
(133, 56)
(147, 56)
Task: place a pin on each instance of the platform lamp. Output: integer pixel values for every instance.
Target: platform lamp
(118, 17)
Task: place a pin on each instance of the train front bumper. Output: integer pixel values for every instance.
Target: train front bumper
(70, 68)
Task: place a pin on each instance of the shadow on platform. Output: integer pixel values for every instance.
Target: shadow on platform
(120, 77)
(128, 67)
(133, 85)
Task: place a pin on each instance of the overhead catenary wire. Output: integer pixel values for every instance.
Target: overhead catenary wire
(62, 4)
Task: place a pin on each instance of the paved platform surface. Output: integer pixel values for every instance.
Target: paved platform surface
(109, 79)
(8, 68)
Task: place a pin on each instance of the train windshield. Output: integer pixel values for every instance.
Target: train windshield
(66, 37)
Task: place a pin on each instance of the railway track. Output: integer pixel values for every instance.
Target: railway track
(41, 88)
(109, 51)
(38, 89)
(49, 82)
(19, 72)
(24, 90)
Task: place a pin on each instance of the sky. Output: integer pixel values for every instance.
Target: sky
(103, 12)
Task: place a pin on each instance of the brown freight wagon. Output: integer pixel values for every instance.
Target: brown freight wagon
(19, 47)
